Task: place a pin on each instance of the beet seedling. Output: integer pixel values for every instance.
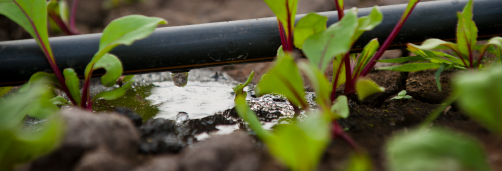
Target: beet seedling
(31, 15)
(467, 34)
(402, 95)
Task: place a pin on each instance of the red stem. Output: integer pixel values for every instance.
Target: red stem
(290, 28)
(85, 91)
(337, 132)
(387, 42)
(60, 23)
(339, 10)
(72, 17)
(50, 58)
(284, 43)
(349, 84)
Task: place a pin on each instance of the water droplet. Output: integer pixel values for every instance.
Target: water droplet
(181, 117)
(180, 79)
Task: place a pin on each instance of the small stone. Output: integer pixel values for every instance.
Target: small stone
(134, 117)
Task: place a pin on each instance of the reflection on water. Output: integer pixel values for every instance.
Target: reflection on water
(197, 99)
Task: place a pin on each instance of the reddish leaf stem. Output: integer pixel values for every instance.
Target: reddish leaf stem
(387, 42)
(349, 84)
(290, 27)
(339, 10)
(60, 23)
(85, 91)
(73, 16)
(337, 132)
(284, 43)
(480, 58)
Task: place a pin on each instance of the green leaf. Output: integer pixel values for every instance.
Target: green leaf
(359, 162)
(4, 90)
(481, 95)
(73, 84)
(284, 78)
(495, 41)
(19, 146)
(321, 85)
(412, 67)
(309, 25)
(113, 94)
(113, 68)
(284, 10)
(367, 23)
(48, 79)
(438, 74)
(403, 59)
(467, 32)
(58, 100)
(280, 53)
(239, 89)
(338, 69)
(402, 93)
(341, 107)
(14, 108)
(123, 31)
(32, 16)
(250, 117)
(434, 150)
(127, 78)
(322, 47)
(366, 87)
(301, 145)
(431, 44)
(368, 52)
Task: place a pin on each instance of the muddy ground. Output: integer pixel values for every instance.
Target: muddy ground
(370, 123)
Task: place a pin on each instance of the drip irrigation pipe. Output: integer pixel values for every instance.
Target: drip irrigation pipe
(183, 48)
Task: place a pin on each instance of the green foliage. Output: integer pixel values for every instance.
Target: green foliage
(402, 95)
(299, 146)
(309, 25)
(31, 15)
(4, 90)
(480, 95)
(284, 78)
(434, 149)
(239, 89)
(17, 145)
(467, 34)
(322, 48)
(359, 162)
(366, 87)
(285, 10)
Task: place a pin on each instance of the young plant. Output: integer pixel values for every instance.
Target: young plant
(30, 14)
(467, 34)
(18, 145)
(402, 95)
(434, 149)
(289, 143)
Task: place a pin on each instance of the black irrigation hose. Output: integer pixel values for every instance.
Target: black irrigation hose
(223, 43)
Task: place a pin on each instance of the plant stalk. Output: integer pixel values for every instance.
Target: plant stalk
(427, 121)
(349, 84)
(60, 23)
(73, 14)
(337, 132)
(387, 42)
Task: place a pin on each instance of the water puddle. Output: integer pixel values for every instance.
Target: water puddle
(200, 102)
(196, 99)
